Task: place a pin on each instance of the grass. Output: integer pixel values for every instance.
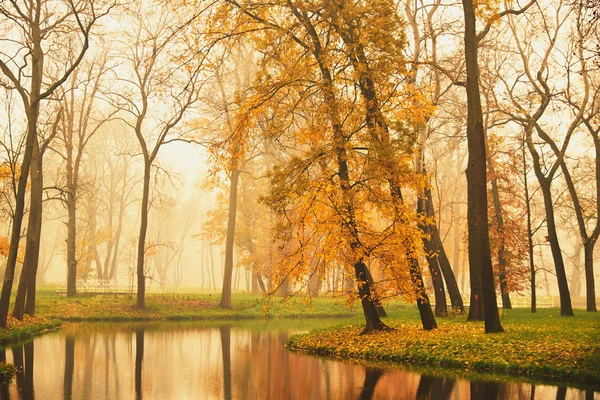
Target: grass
(180, 306)
(542, 346)
(18, 331)
(7, 371)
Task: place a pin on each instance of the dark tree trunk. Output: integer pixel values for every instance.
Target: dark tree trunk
(529, 237)
(502, 246)
(32, 110)
(480, 260)
(566, 308)
(34, 230)
(378, 306)
(438, 248)
(441, 308)
(71, 241)
(423, 304)
(372, 320)
(229, 242)
(141, 251)
(590, 292)
(11, 261)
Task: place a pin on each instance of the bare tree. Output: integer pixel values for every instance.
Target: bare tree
(37, 24)
(81, 121)
(164, 86)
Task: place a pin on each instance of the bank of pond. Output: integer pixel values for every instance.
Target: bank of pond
(540, 356)
(229, 360)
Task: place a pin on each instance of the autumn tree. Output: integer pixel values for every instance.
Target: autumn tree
(35, 27)
(327, 189)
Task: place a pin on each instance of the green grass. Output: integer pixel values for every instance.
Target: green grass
(18, 331)
(542, 346)
(7, 371)
(190, 306)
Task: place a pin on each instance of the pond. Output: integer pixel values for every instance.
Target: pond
(217, 360)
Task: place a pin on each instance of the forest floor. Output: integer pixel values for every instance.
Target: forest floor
(542, 346)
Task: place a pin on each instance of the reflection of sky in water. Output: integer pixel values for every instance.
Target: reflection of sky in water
(188, 361)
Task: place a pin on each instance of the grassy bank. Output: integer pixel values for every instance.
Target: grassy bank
(17, 331)
(541, 346)
(180, 306)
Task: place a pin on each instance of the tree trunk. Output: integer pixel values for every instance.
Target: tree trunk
(229, 242)
(372, 320)
(590, 291)
(529, 237)
(502, 246)
(480, 260)
(34, 231)
(380, 310)
(141, 251)
(442, 259)
(314, 285)
(423, 304)
(71, 241)
(566, 308)
(441, 308)
(11, 261)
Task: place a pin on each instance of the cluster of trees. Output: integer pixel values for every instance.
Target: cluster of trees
(336, 139)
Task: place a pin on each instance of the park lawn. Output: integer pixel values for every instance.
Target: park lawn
(190, 306)
(542, 346)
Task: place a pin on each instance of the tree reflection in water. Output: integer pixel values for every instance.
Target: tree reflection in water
(69, 367)
(372, 376)
(222, 361)
(139, 359)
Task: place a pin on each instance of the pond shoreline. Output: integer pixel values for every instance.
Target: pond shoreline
(551, 351)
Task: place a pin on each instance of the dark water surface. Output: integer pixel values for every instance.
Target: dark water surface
(244, 360)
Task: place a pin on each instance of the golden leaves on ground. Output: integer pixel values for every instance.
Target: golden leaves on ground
(554, 349)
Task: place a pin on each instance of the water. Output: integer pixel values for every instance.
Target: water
(244, 360)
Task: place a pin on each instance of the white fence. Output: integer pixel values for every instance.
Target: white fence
(517, 300)
(100, 286)
(524, 300)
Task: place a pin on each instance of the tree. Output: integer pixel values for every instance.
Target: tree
(156, 105)
(25, 298)
(423, 53)
(37, 26)
(78, 127)
(326, 186)
(483, 293)
(530, 118)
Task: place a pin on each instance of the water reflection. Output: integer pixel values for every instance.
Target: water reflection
(240, 361)
(139, 360)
